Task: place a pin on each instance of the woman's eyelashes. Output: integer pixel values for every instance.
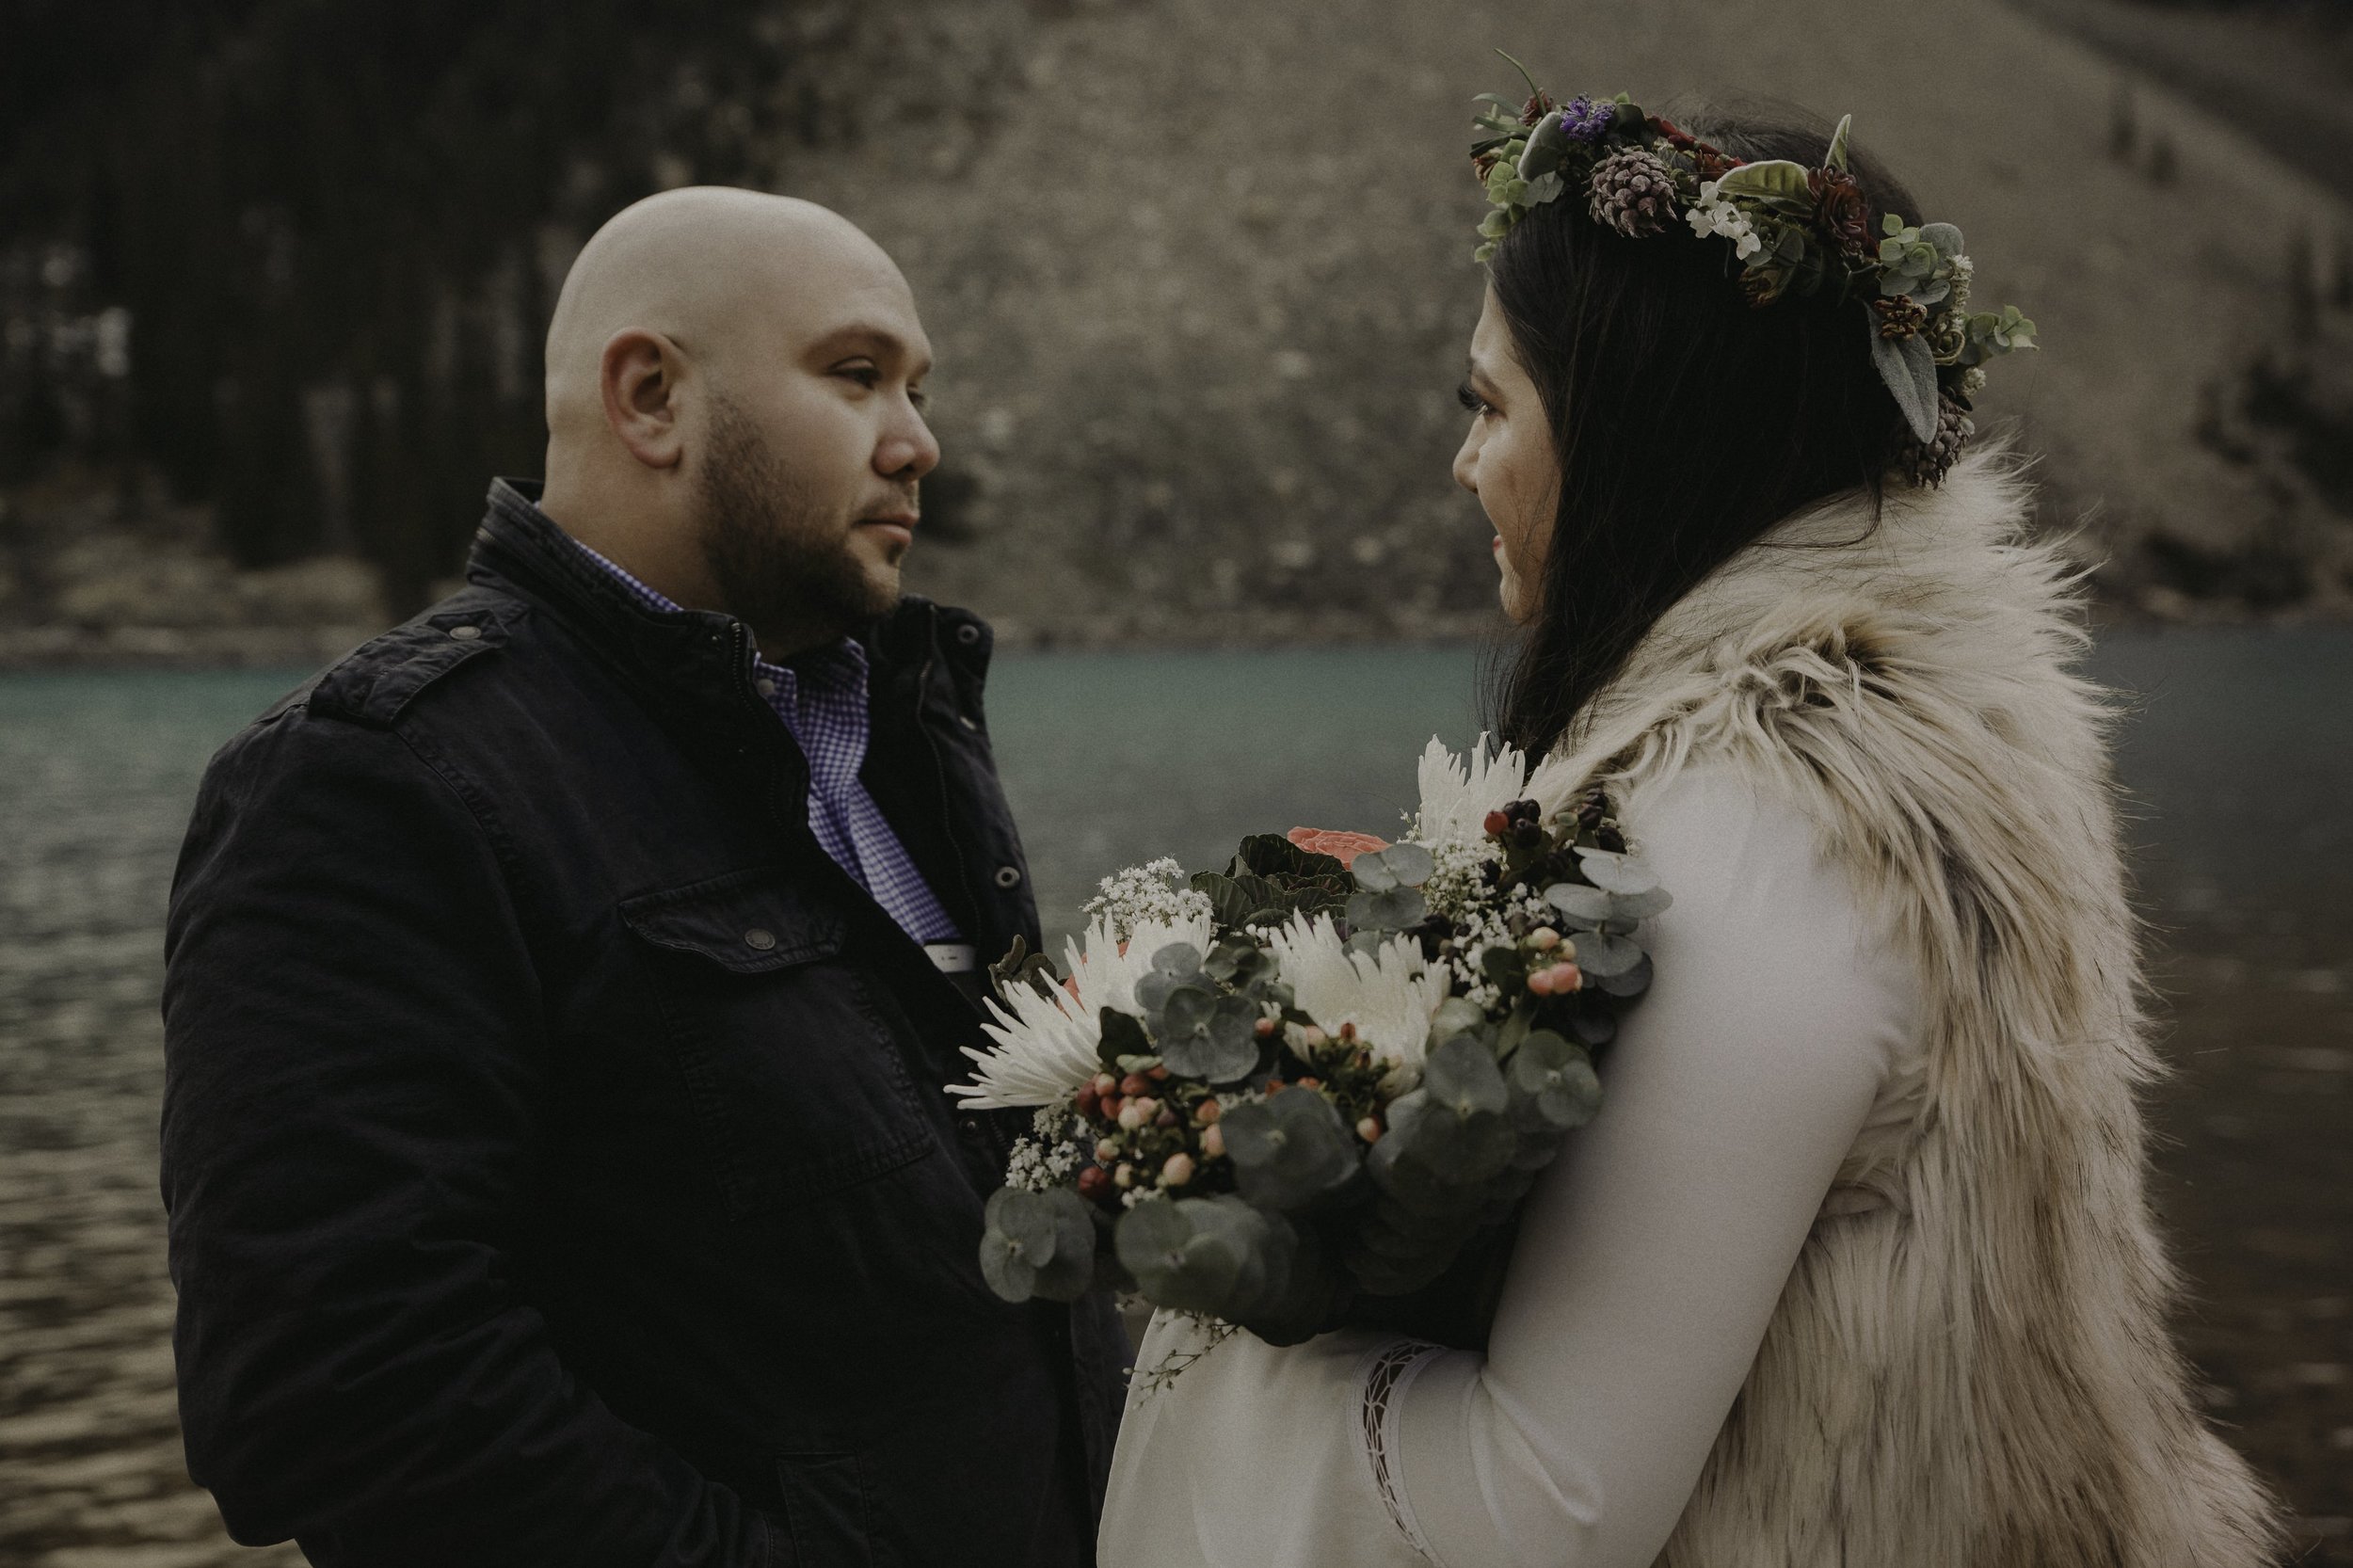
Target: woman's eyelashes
(1471, 401)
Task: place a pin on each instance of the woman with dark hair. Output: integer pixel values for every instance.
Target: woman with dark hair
(1855, 1265)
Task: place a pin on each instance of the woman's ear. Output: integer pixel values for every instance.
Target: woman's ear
(640, 376)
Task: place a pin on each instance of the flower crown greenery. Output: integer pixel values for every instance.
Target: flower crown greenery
(1794, 229)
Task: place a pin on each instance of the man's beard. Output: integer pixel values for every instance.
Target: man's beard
(783, 566)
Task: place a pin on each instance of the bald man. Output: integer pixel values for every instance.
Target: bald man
(561, 991)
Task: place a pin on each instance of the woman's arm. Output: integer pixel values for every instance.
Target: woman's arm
(1652, 1254)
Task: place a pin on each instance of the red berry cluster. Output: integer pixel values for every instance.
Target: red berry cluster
(1519, 824)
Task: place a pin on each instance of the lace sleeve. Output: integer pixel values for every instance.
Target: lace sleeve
(1387, 1374)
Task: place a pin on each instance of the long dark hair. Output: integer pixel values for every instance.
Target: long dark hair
(1687, 422)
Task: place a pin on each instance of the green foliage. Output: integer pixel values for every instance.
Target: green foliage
(1269, 880)
(298, 200)
(1776, 182)
(1037, 1244)
(1406, 865)
(1208, 1036)
(1289, 1150)
(1554, 1079)
(1122, 1037)
(1390, 909)
(1909, 368)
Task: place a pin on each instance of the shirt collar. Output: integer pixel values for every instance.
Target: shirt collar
(840, 664)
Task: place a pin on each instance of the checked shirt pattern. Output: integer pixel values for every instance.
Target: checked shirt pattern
(823, 704)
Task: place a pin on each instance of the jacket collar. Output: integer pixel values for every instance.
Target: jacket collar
(684, 652)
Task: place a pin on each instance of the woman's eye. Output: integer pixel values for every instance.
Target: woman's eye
(1471, 400)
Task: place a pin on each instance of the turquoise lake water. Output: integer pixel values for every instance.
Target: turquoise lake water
(2237, 757)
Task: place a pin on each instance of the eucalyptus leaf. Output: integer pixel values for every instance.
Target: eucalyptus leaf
(1181, 1255)
(1593, 1026)
(1037, 1244)
(1209, 1037)
(1548, 186)
(1412, 864)
(1631, 982)
(1598, 954)
(1836, 157)
(1180, 959)
(1456, 1016)
(1556, 1077)
(1065, 1276)
(1639, 906)
(1464, 1150)
(1153, 991)
(1909, 368)
(1393, 908)
(1616, 873)
(1460, 1077)
(1506, 967)
(1372, 873)
(1945, 237)
(1588, 905)
(1289, 1149)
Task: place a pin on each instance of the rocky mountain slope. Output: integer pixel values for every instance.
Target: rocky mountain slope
(1200, 281)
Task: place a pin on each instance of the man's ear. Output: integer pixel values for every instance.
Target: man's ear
(639, 375)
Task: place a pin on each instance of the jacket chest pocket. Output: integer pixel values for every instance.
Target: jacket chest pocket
(793, 1075)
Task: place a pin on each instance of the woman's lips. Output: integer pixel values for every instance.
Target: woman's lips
(1497, 547)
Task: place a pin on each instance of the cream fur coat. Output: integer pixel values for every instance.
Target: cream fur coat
(1970, 1366)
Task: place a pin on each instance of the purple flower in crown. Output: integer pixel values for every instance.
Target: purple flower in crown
(1582, 120)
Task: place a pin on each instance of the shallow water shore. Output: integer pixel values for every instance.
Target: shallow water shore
(2237, 753)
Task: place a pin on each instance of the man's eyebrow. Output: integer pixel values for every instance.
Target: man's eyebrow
(879, 340)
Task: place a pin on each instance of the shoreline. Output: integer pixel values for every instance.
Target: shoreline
(56, 649)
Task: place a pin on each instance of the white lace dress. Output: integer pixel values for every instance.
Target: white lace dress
(1754, 1090)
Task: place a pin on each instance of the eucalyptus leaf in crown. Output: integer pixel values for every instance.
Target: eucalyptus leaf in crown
(1791, 230)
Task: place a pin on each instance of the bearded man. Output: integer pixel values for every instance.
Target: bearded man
(561, 990)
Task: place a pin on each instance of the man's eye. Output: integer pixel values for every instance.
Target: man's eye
(865, 376)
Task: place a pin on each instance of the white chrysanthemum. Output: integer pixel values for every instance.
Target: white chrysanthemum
(1389, 994)
(1046, 1046)
(1458, 793)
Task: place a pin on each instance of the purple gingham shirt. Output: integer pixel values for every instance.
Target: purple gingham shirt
(823, 705)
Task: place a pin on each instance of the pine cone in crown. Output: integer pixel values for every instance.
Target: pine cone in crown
(1634, 193)
(1928, 464)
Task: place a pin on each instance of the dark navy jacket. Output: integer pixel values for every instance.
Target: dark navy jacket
(554, 1136)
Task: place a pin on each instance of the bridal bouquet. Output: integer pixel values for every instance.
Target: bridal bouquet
(1265, 1091)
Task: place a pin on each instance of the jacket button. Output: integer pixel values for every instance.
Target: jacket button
(759, 936)
(966, 720)
(967, 633)
(465, 634)
(1009, 876)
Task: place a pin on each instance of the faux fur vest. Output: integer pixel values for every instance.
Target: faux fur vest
(1973, 1369)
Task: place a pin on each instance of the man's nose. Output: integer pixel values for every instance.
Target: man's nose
(908, 450)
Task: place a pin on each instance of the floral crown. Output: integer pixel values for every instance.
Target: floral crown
(1793, 229)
